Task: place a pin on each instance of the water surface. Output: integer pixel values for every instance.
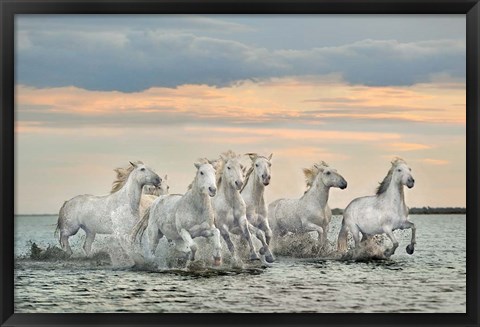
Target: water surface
(433, 279)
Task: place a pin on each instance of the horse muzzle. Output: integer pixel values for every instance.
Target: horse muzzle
(212, 191)
(238, 185)
(410, 182)
(157, 182)
(343, 185)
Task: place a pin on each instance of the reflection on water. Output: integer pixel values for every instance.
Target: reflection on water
(432, 280)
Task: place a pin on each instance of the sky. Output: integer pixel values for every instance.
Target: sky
(93, 92)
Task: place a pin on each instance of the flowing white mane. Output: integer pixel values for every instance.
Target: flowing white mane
(386, 181)
(311, 173)
(220, 164)
(122, 176)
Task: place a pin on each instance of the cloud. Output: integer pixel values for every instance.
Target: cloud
(436, 162)
(279, 103)
(166, 55)
(403, 147)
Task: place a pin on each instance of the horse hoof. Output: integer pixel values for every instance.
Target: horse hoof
(410, 248)
(269, 258)
(254, 257)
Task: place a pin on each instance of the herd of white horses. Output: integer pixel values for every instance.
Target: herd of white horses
(228, 198)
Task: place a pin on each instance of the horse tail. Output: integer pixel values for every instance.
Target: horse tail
(61, 218)
(140, 227)
(342, 245)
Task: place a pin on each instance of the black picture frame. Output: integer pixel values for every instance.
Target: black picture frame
(9, 8)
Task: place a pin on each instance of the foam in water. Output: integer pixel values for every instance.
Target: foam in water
(306, 246)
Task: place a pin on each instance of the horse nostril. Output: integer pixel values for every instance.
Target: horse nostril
(212, 189)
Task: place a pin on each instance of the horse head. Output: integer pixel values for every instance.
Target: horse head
(232, 172)
(329, 176)
(205, 178)
(145, 175)
(402, 173)
(262, 166)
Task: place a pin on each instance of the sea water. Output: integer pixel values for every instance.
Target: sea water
(433, 279)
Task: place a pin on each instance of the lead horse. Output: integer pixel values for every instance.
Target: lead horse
(381, 213)
(182, 218)
(106, 214)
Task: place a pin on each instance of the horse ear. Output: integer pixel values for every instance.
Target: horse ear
(165, 178)
(134, 165)
(253, 156)
(197, 165)
(215, 164)
(270, 156)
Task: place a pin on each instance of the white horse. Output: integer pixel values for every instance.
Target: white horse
(103, 214)
(229, 206)
(311, 212)
(381, 213)
(257, 178)
(181, 218)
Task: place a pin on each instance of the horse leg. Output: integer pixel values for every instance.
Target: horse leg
(265, 227)
(214, 234)
(226, 236)
(64, 243)
(65, 233)
(311, 227)
(245, 227)
(411, 247)
(153, 237)
(355, 234)
(390, 235)
(87, 246)
(187, 238)
(264, 250)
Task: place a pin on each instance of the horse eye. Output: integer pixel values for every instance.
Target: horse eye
(328, 173)
(228, 167)
(399, 170)
(142, 169)
(256, 165)
(201, 173)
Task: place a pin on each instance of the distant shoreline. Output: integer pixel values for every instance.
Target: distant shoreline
(424, 211)
(338, 211)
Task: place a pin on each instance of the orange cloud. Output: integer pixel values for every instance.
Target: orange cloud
(435, 161)
(408, 146)
(308, 100)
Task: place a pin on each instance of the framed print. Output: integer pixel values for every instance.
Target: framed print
(278, 163)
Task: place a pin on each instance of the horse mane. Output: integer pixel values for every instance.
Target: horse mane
(311, 173)
(247, 176)
(250, 170)
(122, 176)
(224, 157)
(386, 181)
